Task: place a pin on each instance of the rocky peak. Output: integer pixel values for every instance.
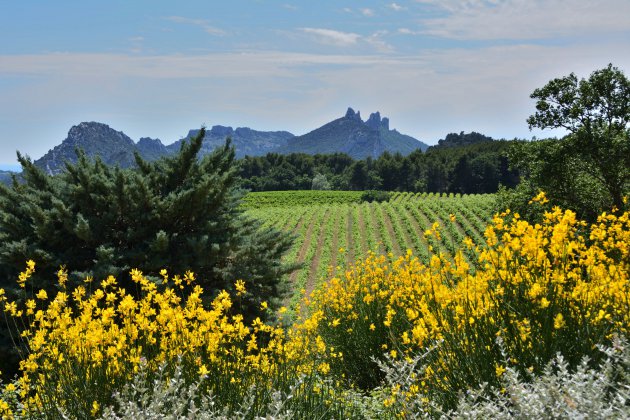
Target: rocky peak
(244, 132)
(95, 139)
(374, 122)
(151, 148)
(350, 114)
(148, 142)
(221, 131)
(89, 132)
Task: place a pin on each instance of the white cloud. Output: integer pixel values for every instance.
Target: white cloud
(396, 7)
(407, 31)
(346, 39)
(332, 37)
(367, 12)
(526, 19)
(290, 6)
(380, 45)
(202, 23)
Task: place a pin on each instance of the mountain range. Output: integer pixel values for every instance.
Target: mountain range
(348, 134)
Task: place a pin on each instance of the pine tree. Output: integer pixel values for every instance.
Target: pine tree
(179, 213)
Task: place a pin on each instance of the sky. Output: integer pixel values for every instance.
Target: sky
(156, 68)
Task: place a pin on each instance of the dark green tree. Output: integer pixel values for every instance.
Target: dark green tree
(179, 213)
(596, 112)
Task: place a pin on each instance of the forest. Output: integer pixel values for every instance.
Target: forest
(464, 163)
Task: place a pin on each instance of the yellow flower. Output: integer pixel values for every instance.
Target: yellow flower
(203, 370)
(62, 276)
(42, 295)
(30, 306)
(540, 198)
(95, 408)
(559, 322)
(499, 370)
(324, 368)
(240, 287)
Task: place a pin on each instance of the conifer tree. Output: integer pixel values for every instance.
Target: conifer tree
(179, 213)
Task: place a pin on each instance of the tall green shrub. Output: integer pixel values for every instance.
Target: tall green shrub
(179, 213)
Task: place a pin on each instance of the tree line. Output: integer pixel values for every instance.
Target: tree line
(478, 167)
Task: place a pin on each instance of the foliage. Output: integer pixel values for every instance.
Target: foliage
(85, 344)
(320, 182)
(178, 213)
(588, 170)
(557, 392)
(541, 288)
(550, 165)
(479, 166)
(259, 200)
(375, 196)
(171, 397)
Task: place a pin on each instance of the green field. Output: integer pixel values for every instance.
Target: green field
(333, 229)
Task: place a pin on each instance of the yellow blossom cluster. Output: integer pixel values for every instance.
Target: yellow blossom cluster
(91, 343)
(535, 290)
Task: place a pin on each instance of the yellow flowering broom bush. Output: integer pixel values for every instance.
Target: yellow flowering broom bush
(85, 344)
(535, 290)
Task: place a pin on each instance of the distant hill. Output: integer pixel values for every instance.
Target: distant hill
(5, 177)
(116, 148)
(96, 139)
(350, 134)
(461, 139)
(247, 142)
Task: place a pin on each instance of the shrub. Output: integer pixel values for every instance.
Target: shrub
(97, 346)
(375, 196)
(180, 213)
(557, 392)
(558, 287)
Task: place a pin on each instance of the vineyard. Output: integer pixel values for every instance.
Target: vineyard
(333, 229)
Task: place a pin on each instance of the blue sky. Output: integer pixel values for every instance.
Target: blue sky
(159, 68)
